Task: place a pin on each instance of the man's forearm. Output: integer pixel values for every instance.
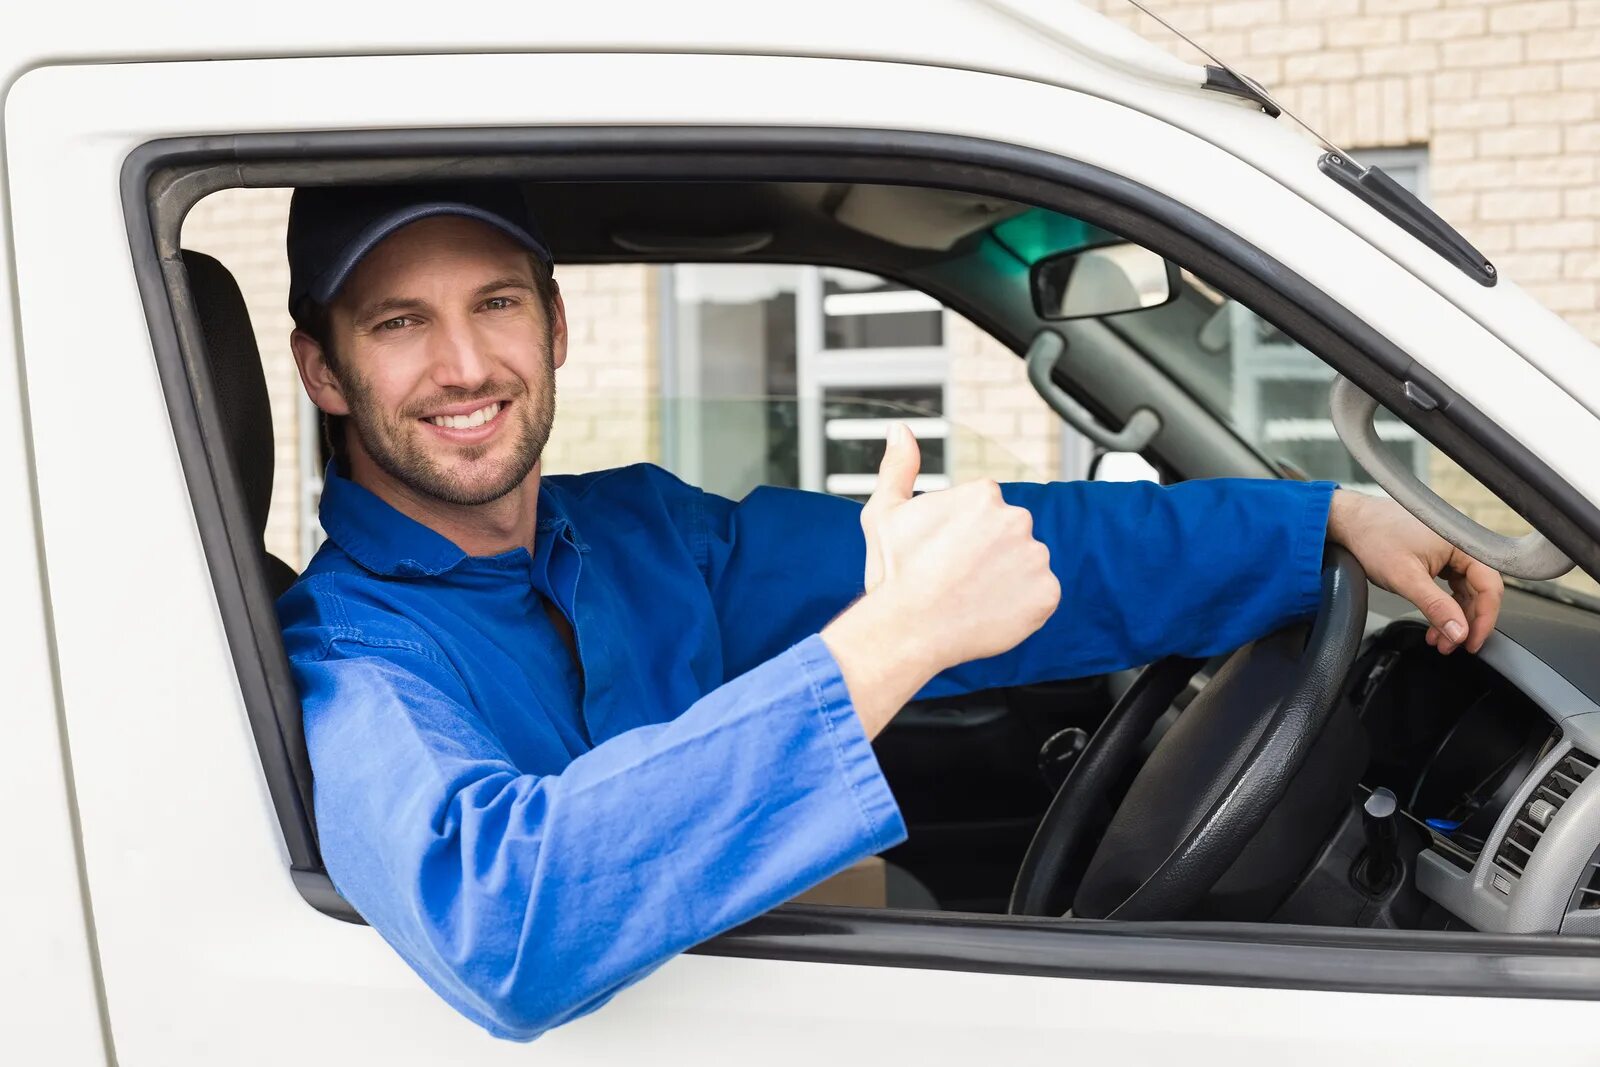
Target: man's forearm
(883, 663)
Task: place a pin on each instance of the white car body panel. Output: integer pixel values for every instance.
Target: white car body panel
(208, 953)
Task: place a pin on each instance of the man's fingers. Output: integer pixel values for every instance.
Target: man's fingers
(1485, 591)
(1438, 607)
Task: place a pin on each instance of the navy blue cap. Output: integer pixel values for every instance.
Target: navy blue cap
(331, 228)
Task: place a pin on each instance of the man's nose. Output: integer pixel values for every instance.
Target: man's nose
(460, 357)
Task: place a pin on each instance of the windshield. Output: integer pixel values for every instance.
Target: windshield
(1274, 394)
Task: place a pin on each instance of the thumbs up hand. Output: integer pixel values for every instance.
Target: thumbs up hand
(897, 476)
(950, 576)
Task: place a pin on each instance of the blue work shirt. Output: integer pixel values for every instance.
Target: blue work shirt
(532, 837)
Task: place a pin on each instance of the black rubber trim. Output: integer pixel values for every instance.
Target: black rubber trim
(1223, 80)
(1402, 207)
(162, 179)
(1226, 954)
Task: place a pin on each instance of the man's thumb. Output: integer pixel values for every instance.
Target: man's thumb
(897, 474)
(1437, 606)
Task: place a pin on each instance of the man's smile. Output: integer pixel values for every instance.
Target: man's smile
(468, 423)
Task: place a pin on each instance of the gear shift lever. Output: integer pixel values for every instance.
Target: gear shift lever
(1379, 864)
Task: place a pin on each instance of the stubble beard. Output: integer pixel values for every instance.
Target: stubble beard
(396, 445)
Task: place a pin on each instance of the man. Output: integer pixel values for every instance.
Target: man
(565, 728)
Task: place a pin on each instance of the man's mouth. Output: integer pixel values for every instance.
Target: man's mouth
(468, 420)
(470, 424)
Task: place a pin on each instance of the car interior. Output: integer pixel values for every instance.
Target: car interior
(1337, 773)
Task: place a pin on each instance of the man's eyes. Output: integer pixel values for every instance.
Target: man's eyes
(400, 322)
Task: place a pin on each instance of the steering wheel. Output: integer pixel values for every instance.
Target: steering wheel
(1209, 785)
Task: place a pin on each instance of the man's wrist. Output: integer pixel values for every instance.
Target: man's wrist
(883, 659)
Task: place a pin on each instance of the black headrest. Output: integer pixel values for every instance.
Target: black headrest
(237, 376)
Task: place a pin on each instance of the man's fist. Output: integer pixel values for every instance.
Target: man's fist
(961, 567)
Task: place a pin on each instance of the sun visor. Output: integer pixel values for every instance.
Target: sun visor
(933, 219)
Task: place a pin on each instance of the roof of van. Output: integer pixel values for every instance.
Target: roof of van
(1058, 41)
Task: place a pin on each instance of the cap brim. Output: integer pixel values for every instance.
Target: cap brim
(326, 285)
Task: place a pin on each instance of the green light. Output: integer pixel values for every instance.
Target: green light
(1038, 233)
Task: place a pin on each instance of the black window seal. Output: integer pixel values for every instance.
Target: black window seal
(161, 180)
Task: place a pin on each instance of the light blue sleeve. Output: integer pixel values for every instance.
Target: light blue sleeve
(1146, 571)
(526, 901)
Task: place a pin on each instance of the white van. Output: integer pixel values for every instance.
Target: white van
(1415, 876)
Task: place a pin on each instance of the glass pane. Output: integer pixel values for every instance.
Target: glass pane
(865, 311)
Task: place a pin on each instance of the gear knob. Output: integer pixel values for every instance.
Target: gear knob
(1379, 864)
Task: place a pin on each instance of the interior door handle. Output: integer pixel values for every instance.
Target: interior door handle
(1043, 354)
(1530, 556)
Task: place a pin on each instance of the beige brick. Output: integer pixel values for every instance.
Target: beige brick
(1445, 25)
(1419, 109)
(1400, 59)
(1365, 31)
(1453, 85)
(1245, 14)
(1512, 81)
(1453, 146)
(1586, 12)
(1581, 75)
(1284, 40)
(1472, 114)
(1482, 52)
(1316, 10)
(1520, 141)
(1559, 107)
(1518, 204)
(1322, 66)
(1568, 233)
(1564, 44)
(1560, 171)
(1582, 137)
(1581, 201)
(1539, 15)
(1399, 7)
(1581, 264)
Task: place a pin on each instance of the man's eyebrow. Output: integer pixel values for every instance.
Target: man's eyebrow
(508, 282)
(371, 311)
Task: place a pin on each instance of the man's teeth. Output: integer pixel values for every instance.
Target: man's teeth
(467, 422)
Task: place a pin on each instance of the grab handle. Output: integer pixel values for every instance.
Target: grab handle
(1530, 556)
(1141, 428)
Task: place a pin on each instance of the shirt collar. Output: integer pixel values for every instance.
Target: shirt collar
(386, 541)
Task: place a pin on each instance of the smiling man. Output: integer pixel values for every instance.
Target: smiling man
(563, 728)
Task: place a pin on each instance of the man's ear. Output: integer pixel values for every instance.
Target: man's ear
(558, 329)
(321, 384)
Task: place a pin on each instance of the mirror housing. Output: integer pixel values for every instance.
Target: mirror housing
(1104, 280)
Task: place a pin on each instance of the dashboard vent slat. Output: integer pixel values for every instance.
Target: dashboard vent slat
(1538, 811)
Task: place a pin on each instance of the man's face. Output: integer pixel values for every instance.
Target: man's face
(444, 360)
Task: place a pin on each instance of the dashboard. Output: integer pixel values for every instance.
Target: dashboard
(1490, 758)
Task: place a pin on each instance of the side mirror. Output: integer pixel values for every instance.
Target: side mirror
(1107, 280)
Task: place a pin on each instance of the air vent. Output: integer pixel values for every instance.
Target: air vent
(1534, 819)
